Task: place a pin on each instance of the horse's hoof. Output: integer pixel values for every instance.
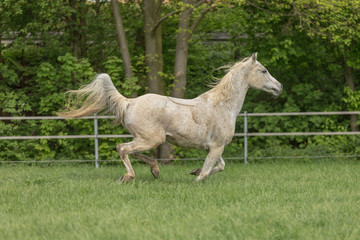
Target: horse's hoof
(125, 179)
(155, 172)
(199, 179)
(196, 172)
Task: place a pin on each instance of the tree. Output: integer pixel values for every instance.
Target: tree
(304, 46)
(338, 22)
(120, 32)
(153, 45)
(191, 13)
(189, 19)
(77, 21)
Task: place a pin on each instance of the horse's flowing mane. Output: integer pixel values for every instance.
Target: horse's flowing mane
(222, 87)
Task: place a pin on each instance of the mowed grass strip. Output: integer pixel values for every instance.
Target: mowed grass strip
(282, 200)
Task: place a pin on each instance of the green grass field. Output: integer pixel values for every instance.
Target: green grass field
(281, 200)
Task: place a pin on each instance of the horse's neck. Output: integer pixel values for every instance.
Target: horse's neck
(237, 98)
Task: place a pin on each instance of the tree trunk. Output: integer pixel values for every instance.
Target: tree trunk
(349, 77)
(186, 29)
(154, 59)
(180, 66)
(120, 33)
(82, 24)
(181, 57)
(164, 153)
(153, 50)
(78, 22)
(75, 31)
(153, 46)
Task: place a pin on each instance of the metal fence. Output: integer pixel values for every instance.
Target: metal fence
(245, 134)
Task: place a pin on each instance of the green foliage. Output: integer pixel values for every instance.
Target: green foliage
(337, 21)
(126, 86)
(60, 45)
(351, 99)
(14, 103)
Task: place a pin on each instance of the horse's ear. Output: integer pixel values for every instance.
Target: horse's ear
(253, 57)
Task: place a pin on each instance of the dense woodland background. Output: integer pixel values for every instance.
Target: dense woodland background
(174, 48)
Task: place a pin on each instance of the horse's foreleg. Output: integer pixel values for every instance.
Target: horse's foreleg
(213, 155)
(219, 167)
(154, 167)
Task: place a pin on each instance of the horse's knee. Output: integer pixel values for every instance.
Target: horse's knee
(122, 149)
(118, 147)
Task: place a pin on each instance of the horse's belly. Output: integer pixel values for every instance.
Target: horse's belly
(187, 142)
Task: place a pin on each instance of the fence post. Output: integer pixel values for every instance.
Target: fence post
(245, 138)
(96, 139)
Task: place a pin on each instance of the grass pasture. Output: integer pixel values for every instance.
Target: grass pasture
(282, 200)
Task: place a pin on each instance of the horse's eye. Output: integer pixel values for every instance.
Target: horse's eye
(264, 71)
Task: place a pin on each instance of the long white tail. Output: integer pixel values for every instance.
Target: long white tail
(94, 97)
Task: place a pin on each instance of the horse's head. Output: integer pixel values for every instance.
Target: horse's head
(260, 78)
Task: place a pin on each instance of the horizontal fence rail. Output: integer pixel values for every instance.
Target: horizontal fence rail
(294, 134)
(245, 134)
(65, 137)
(298, 114)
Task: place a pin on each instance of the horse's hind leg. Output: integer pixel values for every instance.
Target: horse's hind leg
(154, 167)
(124, 149)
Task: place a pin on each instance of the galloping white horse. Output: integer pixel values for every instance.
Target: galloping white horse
(205, 122)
